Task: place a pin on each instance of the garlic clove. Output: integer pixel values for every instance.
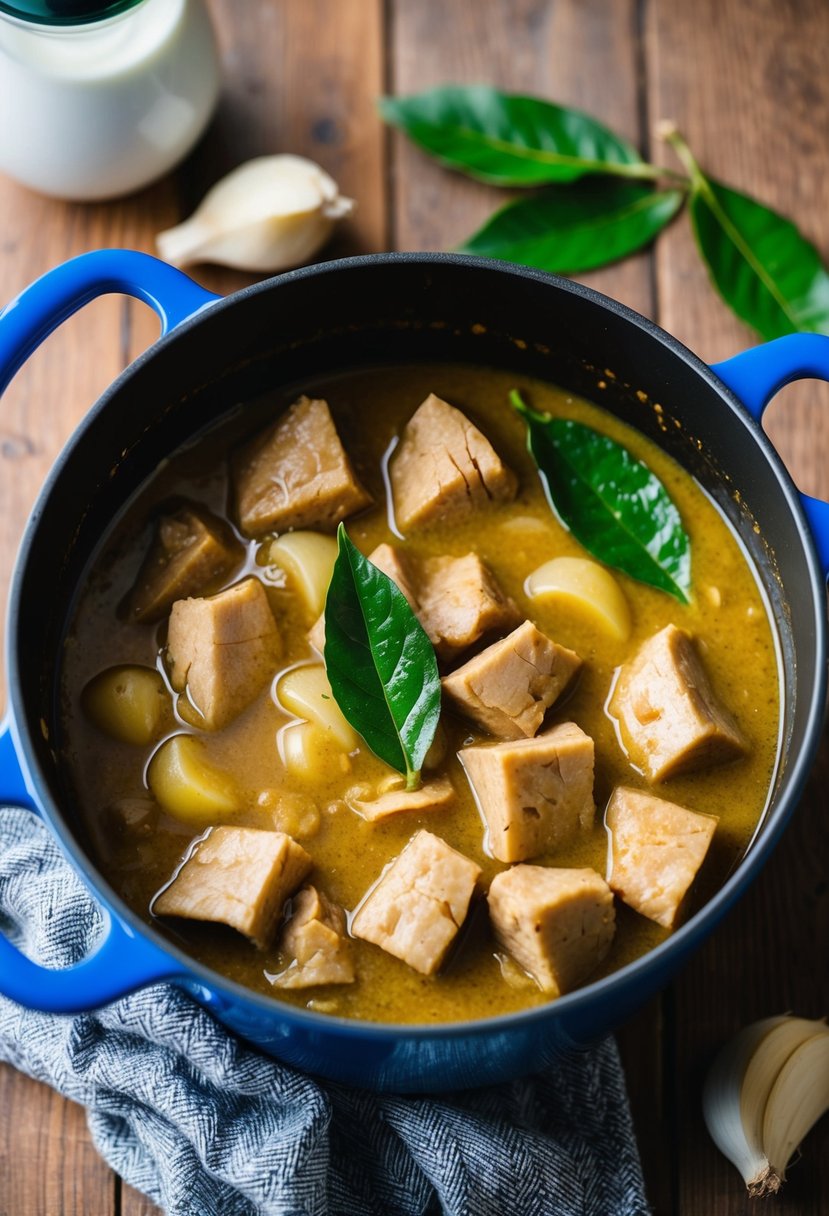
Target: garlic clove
(758, 1103)
(799, 1097)
(268, 214)
(721, 1102)
(764, 1067)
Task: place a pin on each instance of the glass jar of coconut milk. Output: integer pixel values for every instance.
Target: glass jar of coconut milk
(98, 99)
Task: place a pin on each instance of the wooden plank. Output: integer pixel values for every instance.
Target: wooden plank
(133, 1203)
(746, 84)
(293, 83)
(524, 46)
(47, 1161)
(301, 76)
(48, 1164)
(586, 54)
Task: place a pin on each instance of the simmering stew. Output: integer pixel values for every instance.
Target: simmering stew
(604, 750)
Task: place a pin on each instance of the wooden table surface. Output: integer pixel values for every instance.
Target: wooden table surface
(746, 81)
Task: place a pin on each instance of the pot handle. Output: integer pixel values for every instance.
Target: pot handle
(122, 962)
(757, 374)
(42, 306)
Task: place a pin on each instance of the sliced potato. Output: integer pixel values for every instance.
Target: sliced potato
(305, 691)
(308, 560)
(127, 703)
(188, 786)
(588, 585)
(308, 749)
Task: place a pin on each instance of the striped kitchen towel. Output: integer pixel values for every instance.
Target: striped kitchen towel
(206, 1126)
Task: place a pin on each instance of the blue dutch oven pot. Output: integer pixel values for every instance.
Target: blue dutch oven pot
(215, 353)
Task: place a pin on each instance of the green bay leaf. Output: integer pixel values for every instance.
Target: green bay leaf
(761, 264)
(611, 502)
(578, 227)
(511, 140)
(380, 662)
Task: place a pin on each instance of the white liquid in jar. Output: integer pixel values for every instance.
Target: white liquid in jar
(99, 110)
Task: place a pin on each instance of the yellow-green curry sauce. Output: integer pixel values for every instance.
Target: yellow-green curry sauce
(727, 617)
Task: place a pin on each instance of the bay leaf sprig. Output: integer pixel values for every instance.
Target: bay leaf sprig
(613, 504)
(762, 266)
(380, 663)
(596, 199)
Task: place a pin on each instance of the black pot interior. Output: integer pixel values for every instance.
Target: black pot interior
(371, 311)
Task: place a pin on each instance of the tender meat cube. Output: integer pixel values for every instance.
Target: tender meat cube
(456, 599)
(669, 718)
(460, 601)
(315, 935)
(191, 549)
(297, 475)
(420, 902)
(558, 924)
(656, 848)
(535, 794)
(239, 876)
(223, 650)
(508, 688)
(395, 564)
(445, 467)
(430, 797)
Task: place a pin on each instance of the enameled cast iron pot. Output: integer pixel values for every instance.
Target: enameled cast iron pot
(218, 352)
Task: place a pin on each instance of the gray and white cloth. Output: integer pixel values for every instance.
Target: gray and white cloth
(206, 1126)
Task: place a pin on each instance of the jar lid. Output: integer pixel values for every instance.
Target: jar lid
(65, 12)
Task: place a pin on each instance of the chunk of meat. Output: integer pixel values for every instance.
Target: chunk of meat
(669, 718)
(297, 475)
(238, 876)
(315, 936)
(430, 797)
(536, 794)
(393, 563)
(191, 550)
(656, 848)
(420, 902)
(508, 688)
(460, 601)
(223, 649)
(456, 599)
(397, 566)
(444, 467)
(558, 924)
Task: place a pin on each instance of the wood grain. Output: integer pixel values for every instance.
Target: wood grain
(48, 1165)
(300, 76)
(745, 80)
(746, 84)
(578, 52)
(585, 54)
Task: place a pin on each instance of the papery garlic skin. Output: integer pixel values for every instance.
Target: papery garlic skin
(753, 1098)
(269, 214)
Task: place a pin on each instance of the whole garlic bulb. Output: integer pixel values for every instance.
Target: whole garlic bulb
(268, 214)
